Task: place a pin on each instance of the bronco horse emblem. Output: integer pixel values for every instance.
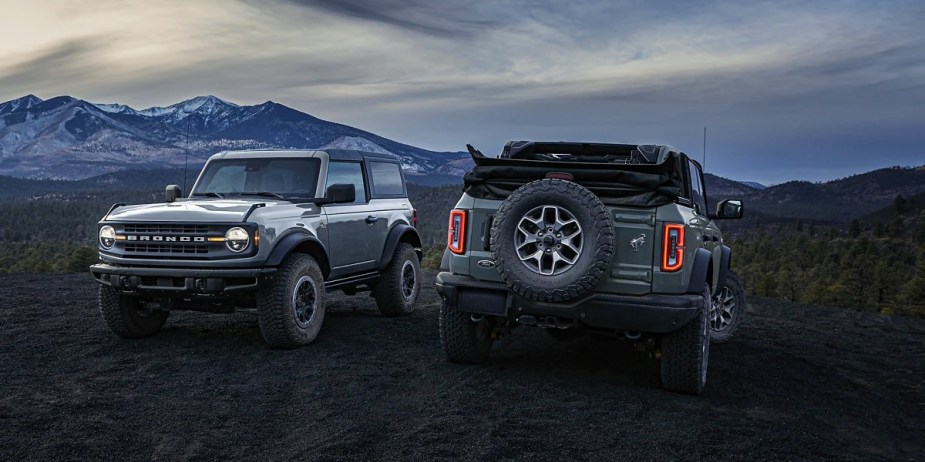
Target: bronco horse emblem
(638, 242)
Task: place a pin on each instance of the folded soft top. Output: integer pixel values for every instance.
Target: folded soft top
(620, 174)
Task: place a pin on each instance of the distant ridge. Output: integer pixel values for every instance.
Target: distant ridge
(69, 138)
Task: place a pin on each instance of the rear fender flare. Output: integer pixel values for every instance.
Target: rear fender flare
(398, 233)
(701, 270)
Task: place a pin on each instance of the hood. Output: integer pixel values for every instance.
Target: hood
(188, 211)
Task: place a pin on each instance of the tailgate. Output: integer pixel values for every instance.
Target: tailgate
(634, 250)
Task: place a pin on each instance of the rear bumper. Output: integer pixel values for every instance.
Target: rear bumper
(180, 281)
(656, 313)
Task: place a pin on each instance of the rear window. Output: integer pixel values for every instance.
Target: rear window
(386, 179)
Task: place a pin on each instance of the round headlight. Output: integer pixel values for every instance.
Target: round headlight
(236, 239)
(107, 236)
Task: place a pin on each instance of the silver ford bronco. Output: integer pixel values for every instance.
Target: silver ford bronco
(576, 238)
(268, 232)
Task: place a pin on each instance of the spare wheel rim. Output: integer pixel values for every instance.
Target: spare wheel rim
(548, 240)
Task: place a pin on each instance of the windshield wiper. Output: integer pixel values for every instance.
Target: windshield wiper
(209, 194)
(263, 193)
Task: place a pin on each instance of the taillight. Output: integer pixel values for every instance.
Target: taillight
(673, 249)
(456, 235)
(414, 217)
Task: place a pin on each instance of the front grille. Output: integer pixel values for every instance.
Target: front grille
(168, 248)
(175, 241)
(155, 228)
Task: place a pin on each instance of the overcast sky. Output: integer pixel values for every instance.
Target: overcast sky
(787, 89)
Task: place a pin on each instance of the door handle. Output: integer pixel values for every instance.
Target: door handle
(371, 219)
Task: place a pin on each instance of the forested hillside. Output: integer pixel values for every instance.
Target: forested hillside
(870, 266)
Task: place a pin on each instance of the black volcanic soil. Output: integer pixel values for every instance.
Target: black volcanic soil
(797, 383)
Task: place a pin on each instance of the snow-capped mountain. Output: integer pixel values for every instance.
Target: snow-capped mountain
(69, 138)
(20, 103)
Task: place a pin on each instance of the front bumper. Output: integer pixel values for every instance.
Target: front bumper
(180, 281)
(655, 313)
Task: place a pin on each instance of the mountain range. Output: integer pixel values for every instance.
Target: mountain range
(69, 138)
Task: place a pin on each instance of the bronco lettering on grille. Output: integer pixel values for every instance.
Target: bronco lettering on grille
(166, 238)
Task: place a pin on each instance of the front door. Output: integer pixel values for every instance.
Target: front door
(351, 227)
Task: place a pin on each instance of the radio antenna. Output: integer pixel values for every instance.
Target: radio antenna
(186, 157)
(704, 149)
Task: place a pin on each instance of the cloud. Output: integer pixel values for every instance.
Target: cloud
(765, 76)
(438, 18)
(65, 60)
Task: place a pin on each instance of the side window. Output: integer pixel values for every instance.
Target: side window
(347, 173)
(697, 189)
(386, 179)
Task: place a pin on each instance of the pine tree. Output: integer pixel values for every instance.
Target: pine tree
(913, 292)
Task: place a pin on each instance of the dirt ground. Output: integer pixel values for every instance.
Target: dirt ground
(797, 383)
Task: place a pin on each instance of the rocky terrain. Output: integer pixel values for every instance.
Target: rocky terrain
(798, 383)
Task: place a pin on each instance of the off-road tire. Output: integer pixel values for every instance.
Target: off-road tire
(597, 251)
(275, 308)
(686, 353)
(390, 290)
(125, 316)
(463, 340)
(734, 284)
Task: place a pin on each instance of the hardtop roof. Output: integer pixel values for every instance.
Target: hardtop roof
(333, 154)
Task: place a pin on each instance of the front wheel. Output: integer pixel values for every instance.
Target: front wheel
(686, 353)
(464, 340)
(727, 310)
(290, 309)
(127, 317)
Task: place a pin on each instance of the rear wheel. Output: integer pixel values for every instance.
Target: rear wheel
(290, 309)
(686, 353)
(727, 310)
(464, 340)
(397, 289)
(127, 317)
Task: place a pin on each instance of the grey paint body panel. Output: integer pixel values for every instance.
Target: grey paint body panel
(353, 245)
(636, 286)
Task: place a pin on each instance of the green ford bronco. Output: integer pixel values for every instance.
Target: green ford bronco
(606, 239)
(266, 232)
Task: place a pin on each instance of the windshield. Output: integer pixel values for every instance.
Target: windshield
(277, 177)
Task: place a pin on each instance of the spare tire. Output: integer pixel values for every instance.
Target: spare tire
(552, 240)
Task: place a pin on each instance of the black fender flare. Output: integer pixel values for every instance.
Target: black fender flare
(701, 268)
(724, 261)
(396, 234)
(285, 245)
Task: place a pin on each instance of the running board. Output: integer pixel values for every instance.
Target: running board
(354, 280)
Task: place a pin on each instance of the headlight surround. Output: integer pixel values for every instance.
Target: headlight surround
(107, 236)
(237, 239)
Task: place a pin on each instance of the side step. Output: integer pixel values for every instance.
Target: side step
(354, 280)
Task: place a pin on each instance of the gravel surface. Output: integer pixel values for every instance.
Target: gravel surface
(798, 382)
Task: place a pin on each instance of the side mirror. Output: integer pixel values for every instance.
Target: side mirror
(173, 193)
(341, 193)
(729, 209)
